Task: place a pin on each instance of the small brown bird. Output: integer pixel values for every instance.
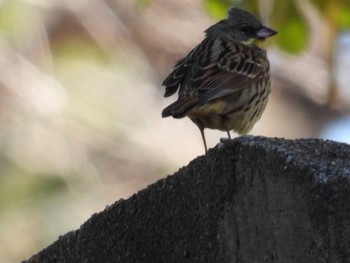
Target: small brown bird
(224, 82)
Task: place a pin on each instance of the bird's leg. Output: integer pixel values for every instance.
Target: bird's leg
(203, 138)
(201, 128)
(228, 134)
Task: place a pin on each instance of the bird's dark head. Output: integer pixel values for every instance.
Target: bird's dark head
(242, 27)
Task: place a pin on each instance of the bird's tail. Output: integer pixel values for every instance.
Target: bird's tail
(179, 108)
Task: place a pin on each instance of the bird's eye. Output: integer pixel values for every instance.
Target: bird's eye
(246, 29)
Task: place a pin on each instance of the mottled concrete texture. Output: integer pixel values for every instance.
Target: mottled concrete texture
(251, 199)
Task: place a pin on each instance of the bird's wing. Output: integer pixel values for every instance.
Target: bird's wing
(184, 67)
(232, 67)
(173, 81)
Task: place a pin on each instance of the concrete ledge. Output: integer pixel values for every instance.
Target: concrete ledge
(251, 199)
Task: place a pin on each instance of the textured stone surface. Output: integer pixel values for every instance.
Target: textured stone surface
(251, 199)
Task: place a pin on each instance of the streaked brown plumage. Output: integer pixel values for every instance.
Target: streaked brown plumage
(224, 82)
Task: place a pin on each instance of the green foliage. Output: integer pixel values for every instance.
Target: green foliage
(293, 31)
(295, 39)
(217, 9)
(344, 17)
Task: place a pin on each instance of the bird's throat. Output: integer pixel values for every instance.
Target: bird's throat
(259, 43)
(256, 42)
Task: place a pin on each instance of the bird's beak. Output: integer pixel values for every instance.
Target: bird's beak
(266, 32)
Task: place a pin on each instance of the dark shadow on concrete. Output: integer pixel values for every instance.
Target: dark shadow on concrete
(251, 199)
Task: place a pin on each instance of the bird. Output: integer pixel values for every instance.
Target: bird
(224, 82)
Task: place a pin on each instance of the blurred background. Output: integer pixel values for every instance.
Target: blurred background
(81, 99)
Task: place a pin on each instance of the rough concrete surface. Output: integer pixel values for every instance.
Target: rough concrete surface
(251, 199)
